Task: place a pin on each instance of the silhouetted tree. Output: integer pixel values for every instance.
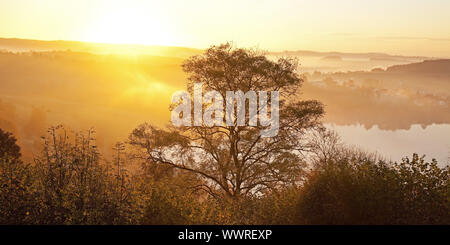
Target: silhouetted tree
(17, 201)
(8, 145)
(236, 161)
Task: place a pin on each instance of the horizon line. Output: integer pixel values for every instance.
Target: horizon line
(197, 48)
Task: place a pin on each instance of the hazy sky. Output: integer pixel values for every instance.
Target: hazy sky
(412, 27)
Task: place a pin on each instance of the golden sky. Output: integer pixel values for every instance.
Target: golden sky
(409, 27)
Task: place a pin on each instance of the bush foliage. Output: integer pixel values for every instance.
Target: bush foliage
(70, 183)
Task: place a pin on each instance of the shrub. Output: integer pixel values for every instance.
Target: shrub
(368, 192)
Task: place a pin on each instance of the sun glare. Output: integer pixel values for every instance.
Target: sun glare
(130, 26)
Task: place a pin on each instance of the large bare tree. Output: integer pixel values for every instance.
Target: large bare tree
(236, 161)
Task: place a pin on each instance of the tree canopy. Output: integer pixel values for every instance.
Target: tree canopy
(234, 160)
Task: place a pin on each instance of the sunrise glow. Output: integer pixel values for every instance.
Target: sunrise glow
(130, 26)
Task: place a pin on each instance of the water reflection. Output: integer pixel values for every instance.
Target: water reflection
(433, 141)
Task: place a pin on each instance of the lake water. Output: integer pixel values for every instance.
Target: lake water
(433, 141)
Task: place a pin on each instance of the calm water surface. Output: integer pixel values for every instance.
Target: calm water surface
(433, 140)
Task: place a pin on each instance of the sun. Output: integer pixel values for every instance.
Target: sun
(130, 26)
